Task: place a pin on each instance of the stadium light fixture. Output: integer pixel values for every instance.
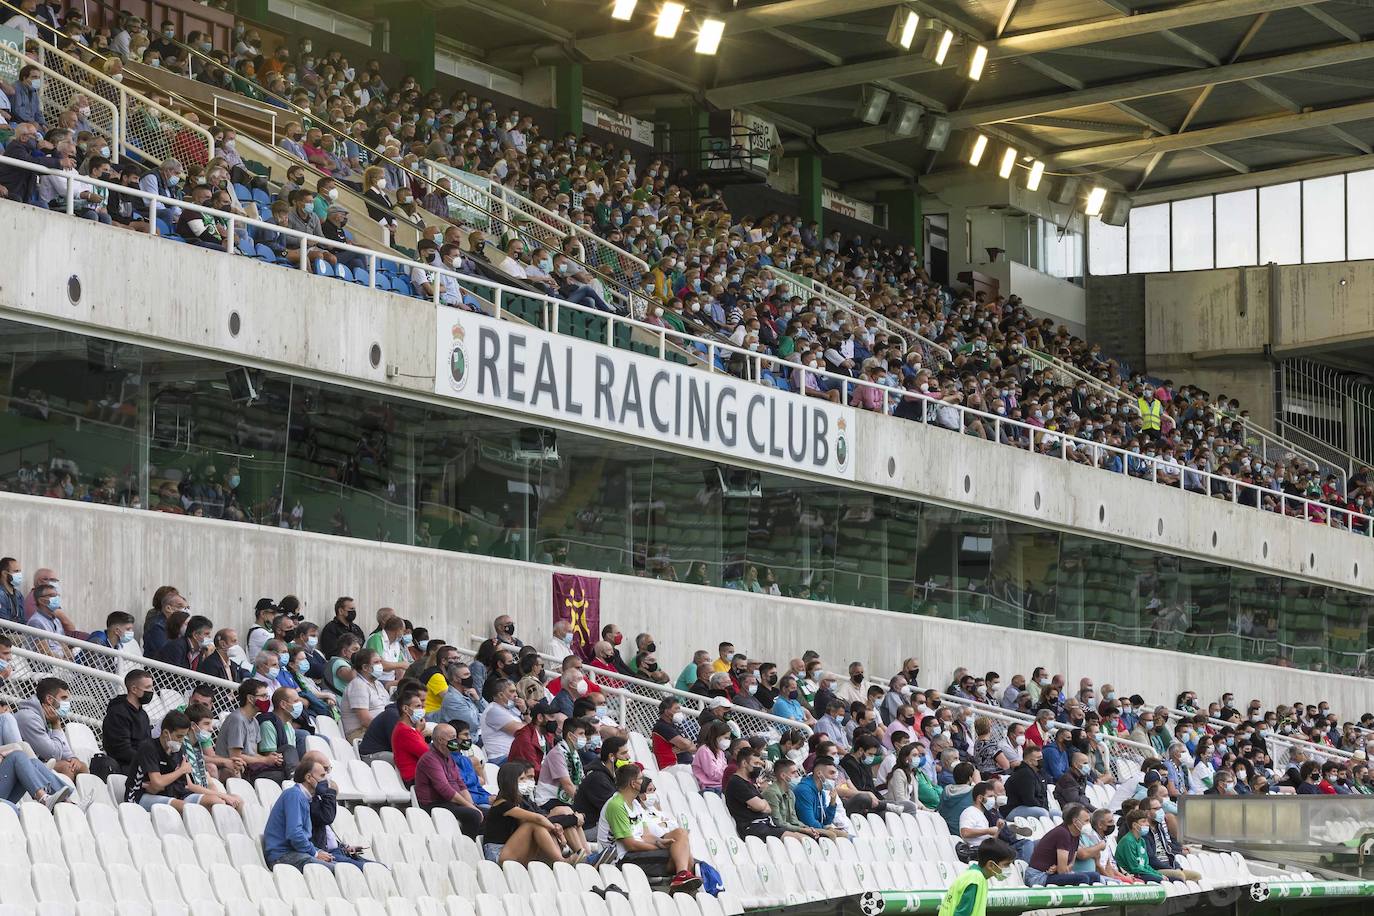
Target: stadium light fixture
(938, 44)
(980, 146)
(1008, 163)
(669, 18)
(902, 31)
(708, 39)
(624, 10)
(973, 67)
(1096, 198)
(1037, 172)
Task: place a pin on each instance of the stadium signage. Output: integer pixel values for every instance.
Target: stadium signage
(563, 380)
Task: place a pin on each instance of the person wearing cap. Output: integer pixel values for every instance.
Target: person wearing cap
(264, 612)
(336, 218)
(533, 741)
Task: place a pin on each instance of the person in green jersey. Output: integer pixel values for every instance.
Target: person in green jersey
(968, 895)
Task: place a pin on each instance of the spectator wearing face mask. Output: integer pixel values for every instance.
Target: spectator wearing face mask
(334, 229)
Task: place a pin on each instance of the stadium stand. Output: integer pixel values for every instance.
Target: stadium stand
(291, 771)
(760, 297)
(201, 859)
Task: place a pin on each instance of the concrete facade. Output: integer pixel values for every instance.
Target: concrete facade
(163, 294)
(113, 559)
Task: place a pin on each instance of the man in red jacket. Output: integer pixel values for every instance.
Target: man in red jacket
(534, 739)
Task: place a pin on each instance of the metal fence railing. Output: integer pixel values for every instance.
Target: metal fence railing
(149, 131)
(749, 364)
(60, 94)
(1333, 406)
(1271, 447)
(640, 699)
(1281, 747)
(95, 675)
(806, 287)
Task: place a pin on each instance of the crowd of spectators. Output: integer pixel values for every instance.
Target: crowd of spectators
(567, 787)
(711, 273)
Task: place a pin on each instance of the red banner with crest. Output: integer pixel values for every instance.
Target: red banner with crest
(577, 599)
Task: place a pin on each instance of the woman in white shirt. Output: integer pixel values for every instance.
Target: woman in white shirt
(365, 696)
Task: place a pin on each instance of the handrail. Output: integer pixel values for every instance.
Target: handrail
(1303, 744)
(1020, 718)
(241, 102)
(692, 699)
(125, 95)
(1109, 390)
(834, 297)
(138, 661)
(1041, 440)
(111, 110)
(624, 291)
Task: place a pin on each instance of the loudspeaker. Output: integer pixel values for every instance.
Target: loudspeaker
(241, 389)
(872, 103)
(906, 118)
(1065, 191)
(1117, 211)
(937, 132)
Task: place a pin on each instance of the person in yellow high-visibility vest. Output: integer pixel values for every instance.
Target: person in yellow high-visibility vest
(968, 895)
(1151, 409)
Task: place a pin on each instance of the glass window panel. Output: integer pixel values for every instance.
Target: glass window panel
(1323, 219)
(1280, 229)
(1106, 248)
(1192, 234)
(1359, 190)
(1150, 239)
(1237, 240)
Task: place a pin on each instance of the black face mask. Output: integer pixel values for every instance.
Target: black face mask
(352, 616)
(651, 647)
(510, 629)
(549, 727)
(857, 678)
(467, 681)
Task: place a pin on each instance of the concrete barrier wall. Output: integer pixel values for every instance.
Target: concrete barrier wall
(176, 297)
(113, 559)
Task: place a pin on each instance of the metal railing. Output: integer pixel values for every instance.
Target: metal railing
(647, 694)
(59, 93)
(1271, 447)
(148, 131)
(95, 675)
(1115, 749)
(1333, 406)
(807, 288)
(753, 365)
(619, 290)
(1280, 747)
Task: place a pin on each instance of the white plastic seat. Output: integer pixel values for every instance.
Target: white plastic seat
(492, 879)
(462, 877)
(167, 820)
(159, 883)
(389, 782)
(379, 881)
(394, 821)
(258, 882)
(517, 879)
(225, 882)
(408, 881)
(52, 882)
(489, 905)
(177, 850)
(368, 823)
(243, 850)
(434, 878)
(360, 774)
(414, 849)
(56, 908)
(459, 906)
(290, 883)
(210, 850)
(350, 881)
(337, 906)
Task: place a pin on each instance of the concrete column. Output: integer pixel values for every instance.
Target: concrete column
(412, 39)
(567, 97)
(905, 223)
(809, 188)
(681, 132)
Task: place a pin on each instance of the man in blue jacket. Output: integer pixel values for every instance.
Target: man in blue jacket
(286, 838)
(816, 799)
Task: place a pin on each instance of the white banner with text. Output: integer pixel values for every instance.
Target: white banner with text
(563, 380)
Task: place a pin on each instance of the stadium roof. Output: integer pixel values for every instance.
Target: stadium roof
(1159, 100)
